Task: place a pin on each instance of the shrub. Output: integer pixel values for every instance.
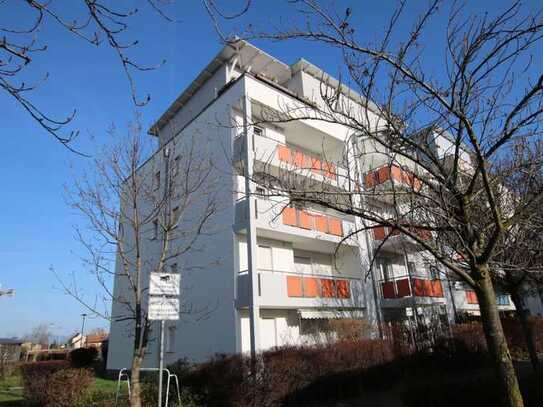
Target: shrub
(83, 357)
(35, 378)
(282, 374)
(54, 383)
(66, 387)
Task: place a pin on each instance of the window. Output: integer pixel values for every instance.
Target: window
(386, 270)
(258, 131)
(264, 258)
(411, 268)
(302, 265)
(175, 167)
(157, 180)
(173, 268)
(502, 299)
(155, 229)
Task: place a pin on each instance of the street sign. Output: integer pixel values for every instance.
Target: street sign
(163, 308)
(164, 284)
(164, 291)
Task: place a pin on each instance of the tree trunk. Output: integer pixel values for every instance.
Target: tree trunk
(526, 328)
(497, 344)
(135, 391)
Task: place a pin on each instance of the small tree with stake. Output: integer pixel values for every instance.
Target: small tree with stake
(131, 211)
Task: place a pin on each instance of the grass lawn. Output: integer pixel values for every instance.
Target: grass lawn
(11, 393)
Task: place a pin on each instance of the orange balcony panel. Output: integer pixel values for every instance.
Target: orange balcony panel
(284, 154)
(380, 232)
(289, 216)
(343, 289)
(437, 289)
(421, 287)
(423, 234)
(321, 223)
(388, 289)
(316, 165)
(299, 159)
(335, 226)
(471, 297)
(329, 170)
(370, 180)
(328, 289)
(403, 288)
(306, 220)
(311, 287)
(395, 173)
(294, 286)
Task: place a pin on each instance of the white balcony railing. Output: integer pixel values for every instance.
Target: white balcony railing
(274, 156)
(295, 290)
(273, 217)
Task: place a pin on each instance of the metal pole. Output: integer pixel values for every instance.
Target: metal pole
(83, 330)
(161, 363)
(254, 312)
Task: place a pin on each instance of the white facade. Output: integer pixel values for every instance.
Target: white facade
(281, 265)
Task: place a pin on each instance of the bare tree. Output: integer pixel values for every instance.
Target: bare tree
(518, 258)
(143, 215)
(40, 335)
(437, 138)
(96, 23)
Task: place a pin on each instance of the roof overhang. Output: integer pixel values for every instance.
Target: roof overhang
(319, 74)
(238, 53)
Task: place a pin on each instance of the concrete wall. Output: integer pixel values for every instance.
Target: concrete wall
(207, 271)
(194, 105)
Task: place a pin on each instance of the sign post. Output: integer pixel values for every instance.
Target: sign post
(164, 289)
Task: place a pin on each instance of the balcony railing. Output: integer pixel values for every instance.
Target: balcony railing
(303, 160)
(312, 221)
(392, 173)
(287, 289)
(312, 287)
(405, 286)
(382, 232)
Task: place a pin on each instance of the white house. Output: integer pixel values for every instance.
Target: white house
(271, 275)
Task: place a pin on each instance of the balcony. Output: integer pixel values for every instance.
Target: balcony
(275, 221)
(294, 290)
(395, 240)
(272, 156)
(404, 290)
(466, 301)
(391, 178)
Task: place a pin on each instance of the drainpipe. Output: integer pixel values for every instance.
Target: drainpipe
(254, 312)
(369, 246)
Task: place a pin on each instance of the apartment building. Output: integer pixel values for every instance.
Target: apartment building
(271, 274)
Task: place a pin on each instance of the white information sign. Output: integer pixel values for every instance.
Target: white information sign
(163, 308)
(164, 284)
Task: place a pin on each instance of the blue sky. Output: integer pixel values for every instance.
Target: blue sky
(36, 226)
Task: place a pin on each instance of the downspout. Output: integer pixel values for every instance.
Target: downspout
(254, 311)
(369, 247)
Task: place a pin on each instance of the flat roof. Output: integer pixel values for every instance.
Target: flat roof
(249, 57)
(254, 60)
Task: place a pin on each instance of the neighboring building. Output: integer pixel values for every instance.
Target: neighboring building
(96, 340)
(10, 350)
(300, 280)
(76, 341)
